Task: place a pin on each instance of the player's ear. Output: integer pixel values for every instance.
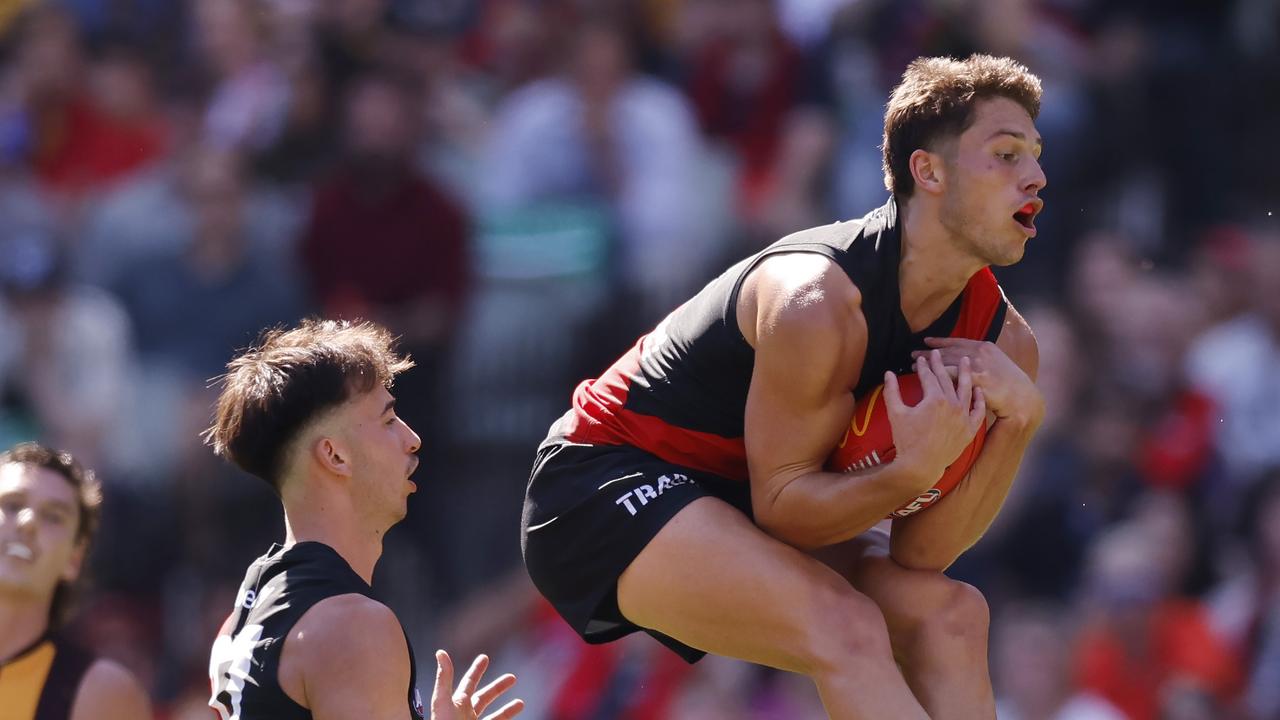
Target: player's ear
(75, 562)
(928, 170)
(331, 455)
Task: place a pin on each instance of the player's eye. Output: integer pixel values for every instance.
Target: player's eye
(1008, 157)
(11, 506)
(57, 518)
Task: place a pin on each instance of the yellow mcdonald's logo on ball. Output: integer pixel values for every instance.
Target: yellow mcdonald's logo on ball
(860, 430)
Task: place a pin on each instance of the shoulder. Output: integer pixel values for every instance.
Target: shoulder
(1019, 342)
(351, 623)
(345, 642)
(803, 316)
(110, 692)
(803, 290)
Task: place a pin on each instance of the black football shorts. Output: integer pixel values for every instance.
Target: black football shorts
(589, 510)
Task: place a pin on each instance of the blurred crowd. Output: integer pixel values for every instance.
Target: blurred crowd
(519, 188)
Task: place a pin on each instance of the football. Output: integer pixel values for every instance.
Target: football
(868, 442)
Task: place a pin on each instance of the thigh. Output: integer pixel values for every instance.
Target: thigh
(713, 580)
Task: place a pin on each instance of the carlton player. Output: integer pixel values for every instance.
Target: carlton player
(685, 492)
(309, 411)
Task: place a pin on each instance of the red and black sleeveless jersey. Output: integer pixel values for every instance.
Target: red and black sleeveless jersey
(680, 393)
(278, 589)
(41, 682)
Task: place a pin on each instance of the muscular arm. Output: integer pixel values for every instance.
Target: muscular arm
(346, 658)
(803, 317)
(109, 692)
(932, 540)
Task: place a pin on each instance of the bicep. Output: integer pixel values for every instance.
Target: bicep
(809, 343)
(356, 665)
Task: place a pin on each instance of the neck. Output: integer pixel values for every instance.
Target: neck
(333, 521)
(22, 621)
(934, 268)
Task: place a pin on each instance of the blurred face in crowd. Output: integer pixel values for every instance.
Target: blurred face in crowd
(992, 176)
(600, 61)
(122, 86)
(49, 56)
(1031, 664)
(214, 187)
(39, 517)
(227, 34)
(379, 120)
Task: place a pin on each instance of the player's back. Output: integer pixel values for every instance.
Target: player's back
(278, 589)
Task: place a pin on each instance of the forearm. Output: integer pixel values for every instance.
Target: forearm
(824, 508)
(933, 540)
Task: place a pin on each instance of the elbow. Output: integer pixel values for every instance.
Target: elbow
(786, 530)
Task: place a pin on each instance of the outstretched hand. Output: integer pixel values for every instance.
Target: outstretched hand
(468, 703)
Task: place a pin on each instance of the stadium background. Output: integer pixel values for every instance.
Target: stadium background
(520, 187)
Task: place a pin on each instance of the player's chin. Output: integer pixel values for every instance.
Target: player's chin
(1008, 254)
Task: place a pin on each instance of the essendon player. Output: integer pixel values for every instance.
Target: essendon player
(684, 493)
(310, 411)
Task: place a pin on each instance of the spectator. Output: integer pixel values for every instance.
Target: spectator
(1236, 362)
(601, 133)
(1032, 668)
(1144, 647)
(250, 97)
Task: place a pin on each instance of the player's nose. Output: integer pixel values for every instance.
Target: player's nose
(413, 442)
(1036, 179)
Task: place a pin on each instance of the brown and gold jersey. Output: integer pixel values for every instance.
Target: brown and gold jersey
(40, 683)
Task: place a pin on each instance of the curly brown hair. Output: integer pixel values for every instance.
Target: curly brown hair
(935, 100)
(88, 509)
(271, 391)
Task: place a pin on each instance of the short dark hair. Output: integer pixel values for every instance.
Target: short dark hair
(935, 100)
(272, 390)
(88, 508)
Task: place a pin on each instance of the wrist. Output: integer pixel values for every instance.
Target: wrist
(1025, 420)
(915, 474)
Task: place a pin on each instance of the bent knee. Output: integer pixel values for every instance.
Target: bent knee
(838, 626)
(957, 612)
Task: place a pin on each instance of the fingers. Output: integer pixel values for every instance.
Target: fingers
(471, 680)
(442, 692)
(928, 382)
(892, 393)
(942, 376)
(485, 697)
(964, 383)
(978, 414)
(509, 710)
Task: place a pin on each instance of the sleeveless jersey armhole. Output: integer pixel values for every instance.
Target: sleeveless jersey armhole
(731, 309)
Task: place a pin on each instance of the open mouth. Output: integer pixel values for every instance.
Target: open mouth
(18, 550)
(1026, 216)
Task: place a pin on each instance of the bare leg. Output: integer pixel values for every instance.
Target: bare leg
(938, 627)
(715, 581)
